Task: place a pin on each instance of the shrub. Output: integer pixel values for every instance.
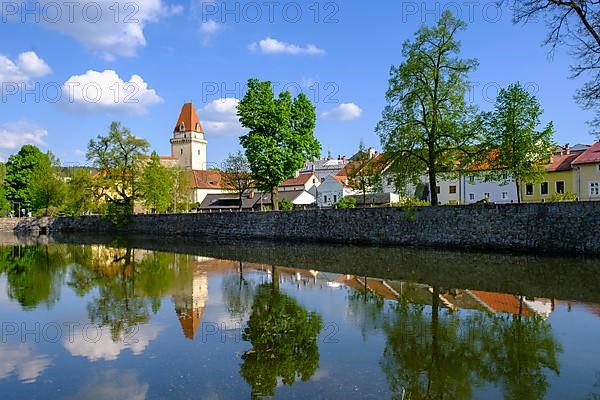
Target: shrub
(286, 205)
(557, 197)
(346, 202)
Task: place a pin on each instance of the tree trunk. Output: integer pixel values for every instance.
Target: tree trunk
(275, 278)
(275, 198)
(518, 191)
(433, 188)
(241, 198)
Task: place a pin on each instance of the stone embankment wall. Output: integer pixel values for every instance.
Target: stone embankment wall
(551, 227)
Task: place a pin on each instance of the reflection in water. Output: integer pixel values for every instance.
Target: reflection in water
(427, 341)
(21, 360)
(284, 341)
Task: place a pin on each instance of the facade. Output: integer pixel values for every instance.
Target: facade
(476, 189)
(302, 181)
(586, 174)
(332, 190)
(325, 168)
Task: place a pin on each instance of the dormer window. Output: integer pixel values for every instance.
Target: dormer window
(181, 127)
(197, 126)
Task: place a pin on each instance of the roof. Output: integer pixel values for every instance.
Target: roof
(189, 119)
(590, 156)
(380, 163)
(300, 180)
(502, 302)
(290, 195)
(206, 179)
(229, 201)
(168, 158)
(561, 162)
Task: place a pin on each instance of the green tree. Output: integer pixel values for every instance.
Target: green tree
(19, 170)
(236, 175)
(118, 158)
(517, 150)
(284, 341)
(4, 203)
(364, 173)
(80, 195)
(280, 138)
(47, 187)
(427, 125)
(156, 185)
(181, 189)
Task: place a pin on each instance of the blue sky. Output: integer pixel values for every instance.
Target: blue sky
(140, 64)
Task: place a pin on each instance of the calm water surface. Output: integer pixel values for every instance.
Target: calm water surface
(153, 319)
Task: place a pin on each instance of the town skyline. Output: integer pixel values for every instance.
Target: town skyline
(347, 108)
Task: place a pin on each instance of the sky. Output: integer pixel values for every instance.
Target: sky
(68, 69)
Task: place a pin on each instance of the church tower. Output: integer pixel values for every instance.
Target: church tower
(188, 145)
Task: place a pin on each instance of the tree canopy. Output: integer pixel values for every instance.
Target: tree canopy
(427, 125)
(47, 187)
(19, 172)
(236, 175)
(156, 185)
(280, 138)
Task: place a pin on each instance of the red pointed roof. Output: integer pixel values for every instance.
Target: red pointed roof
(189, 119)
(590, 156)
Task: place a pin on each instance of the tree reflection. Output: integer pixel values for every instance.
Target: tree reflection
(238, 293)
(33, 274)
(284, 341)
(440, 355)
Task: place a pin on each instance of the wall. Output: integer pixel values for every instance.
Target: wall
(584, 174)
(551, 178)
(550, 227)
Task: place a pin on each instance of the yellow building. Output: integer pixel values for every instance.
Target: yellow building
(586, 173)
(559, 179)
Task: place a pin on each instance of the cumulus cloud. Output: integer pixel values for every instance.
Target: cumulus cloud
(27, 66)
(209, 29)
(97, 344)
(219, 117)
(19, 359)
(13, 135)
(274, 46)
(113, 384)
(343, 112)
(106, 91)
(109, 30)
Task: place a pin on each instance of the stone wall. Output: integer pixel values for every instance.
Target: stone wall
(551, 227)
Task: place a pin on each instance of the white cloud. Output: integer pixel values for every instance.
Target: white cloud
(106, 91)
(13, 135)
(113, 384)
(105, 29)
(19, 359)
(219, 117)
(97, 344)
(27, 66)
(274, 46)
(343, 112)
(209, 29)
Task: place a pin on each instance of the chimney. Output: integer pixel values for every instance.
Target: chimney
(372, 152)
(251, 195)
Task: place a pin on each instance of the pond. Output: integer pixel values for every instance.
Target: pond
(156, 318)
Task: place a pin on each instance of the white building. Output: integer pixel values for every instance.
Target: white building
(332, 190)
(325, 168)
(475, 189)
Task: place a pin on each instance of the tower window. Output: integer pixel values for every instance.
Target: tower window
(181, 127)
(198, 126)
(198, 152)
(181, 151)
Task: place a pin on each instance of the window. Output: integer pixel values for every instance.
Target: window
(504, 176)
(472, 196)
(452, 189)
(544, 188)
(325, 199)
(181, 127)
(529, 189)
(181, 151)
(438, 190)
(335, 198)
(594, 188)
(504, 195)
(560, 187)
(198, 152)
(471, 180)
(486, 195)
(598, 167)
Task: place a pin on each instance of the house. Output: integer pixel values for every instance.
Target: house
(304, 181)
(476, 187)
(188, 151)
(299, 198)
(586, 174)
(332, 190)
(325, 168)
(558, 179)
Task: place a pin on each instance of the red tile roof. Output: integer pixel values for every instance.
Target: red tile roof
(206, 179)
(561, 162)
(501, 302)
(168, 158)
(189, 119)
(590, 156)
(300, 180)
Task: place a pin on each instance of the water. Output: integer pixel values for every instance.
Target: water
(92, 318)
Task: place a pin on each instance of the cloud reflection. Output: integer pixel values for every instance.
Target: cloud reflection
(21, 360)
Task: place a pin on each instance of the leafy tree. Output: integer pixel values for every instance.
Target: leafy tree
(284, 342)
(237, 175)
(286, 205)
(517, 150)
(181, 188)
(281, 137)
(238, 293)
(4, 203)
(575, 24)
(364, 173)
(118, 158)
(427, 124)
(80, 195)
(19, 170)
(47, 187)
(156, 185)
(346, 202)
